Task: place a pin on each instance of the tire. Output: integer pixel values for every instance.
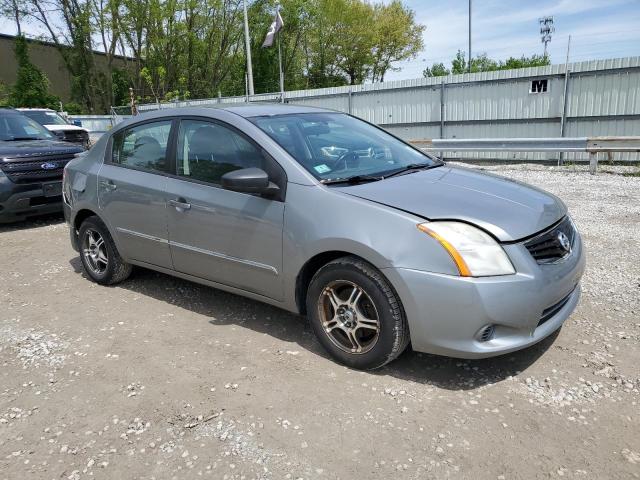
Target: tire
(101, 261)
(344, 299)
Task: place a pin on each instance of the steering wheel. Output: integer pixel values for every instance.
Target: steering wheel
(344, 158)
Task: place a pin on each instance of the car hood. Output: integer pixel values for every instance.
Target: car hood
(507, 209)
(35, 148)
(65, 128)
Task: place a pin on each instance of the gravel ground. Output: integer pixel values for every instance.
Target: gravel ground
(162, 378)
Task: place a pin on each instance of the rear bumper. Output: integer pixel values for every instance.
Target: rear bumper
(447, 314)
(21, 201)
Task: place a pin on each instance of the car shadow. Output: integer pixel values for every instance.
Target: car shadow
(33, 222)
(224, 308)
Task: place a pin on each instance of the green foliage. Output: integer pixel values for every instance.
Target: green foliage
(4, 95)
(32, 86)
(195, 48)
(120, 86)
(397, 37)
(436, 70)
(482, 63)
(73, 108)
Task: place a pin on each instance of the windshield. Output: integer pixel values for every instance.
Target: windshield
(335, 146)
(44, 117)
(18, 127)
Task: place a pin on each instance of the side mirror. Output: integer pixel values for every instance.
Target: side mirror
(249, 180)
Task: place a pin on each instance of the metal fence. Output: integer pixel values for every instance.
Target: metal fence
(589, 145)
(583, 99)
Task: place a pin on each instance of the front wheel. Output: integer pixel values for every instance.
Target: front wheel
(99, 255)
(356, 314)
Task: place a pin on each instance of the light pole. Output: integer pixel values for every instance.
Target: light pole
(469, 66)
(248, 49)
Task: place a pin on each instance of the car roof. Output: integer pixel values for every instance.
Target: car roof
(245, 110)
(266, 109)
(35, 109)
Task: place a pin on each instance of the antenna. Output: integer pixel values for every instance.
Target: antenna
(546, 29)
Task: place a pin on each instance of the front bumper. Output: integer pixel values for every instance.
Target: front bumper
(447, 314)
(21, 201)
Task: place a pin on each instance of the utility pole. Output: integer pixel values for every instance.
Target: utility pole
(546, 29)
(565, 99)
(469, 66)
(248, 49)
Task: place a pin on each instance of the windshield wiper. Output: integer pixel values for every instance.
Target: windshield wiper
(353, 180)
(413, 167)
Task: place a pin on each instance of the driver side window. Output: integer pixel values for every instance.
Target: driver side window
(207, 150)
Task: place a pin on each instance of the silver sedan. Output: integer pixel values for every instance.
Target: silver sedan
(323, 214)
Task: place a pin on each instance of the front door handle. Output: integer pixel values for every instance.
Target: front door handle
(108, 185)
(180, 204)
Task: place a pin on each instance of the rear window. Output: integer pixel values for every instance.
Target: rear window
(45, 118)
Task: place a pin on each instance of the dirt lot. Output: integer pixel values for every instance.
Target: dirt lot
(162, 378)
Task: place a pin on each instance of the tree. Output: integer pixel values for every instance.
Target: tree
(32, 86)
(195, 48)
(482, 63)
(436, 70)
(398, 37)
(71, 32)
(12, 9)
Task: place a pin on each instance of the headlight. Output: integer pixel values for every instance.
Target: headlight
(474, 252)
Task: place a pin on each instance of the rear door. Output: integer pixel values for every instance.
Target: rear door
(132, 191)
(227, 237)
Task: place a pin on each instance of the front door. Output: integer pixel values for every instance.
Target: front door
(132, 192)
(227, 237)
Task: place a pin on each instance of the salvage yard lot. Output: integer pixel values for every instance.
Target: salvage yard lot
(162, 378)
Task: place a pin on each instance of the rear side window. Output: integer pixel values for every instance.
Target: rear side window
(143, 146)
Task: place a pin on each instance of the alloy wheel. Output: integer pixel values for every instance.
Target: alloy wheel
(95, 252)
(349, 317)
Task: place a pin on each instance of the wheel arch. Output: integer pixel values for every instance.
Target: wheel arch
(311, 267)
(81, 215)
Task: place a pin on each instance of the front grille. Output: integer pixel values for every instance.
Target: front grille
(550, 312)
(548, 246)
(75, 136)
(20, 170)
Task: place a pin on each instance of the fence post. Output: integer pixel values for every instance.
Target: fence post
(349, 99)
(563, 118)
(593, 163)
(442, 112)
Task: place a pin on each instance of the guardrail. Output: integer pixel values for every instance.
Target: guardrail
(591, 145)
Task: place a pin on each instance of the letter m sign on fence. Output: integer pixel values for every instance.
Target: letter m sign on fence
(539, 86)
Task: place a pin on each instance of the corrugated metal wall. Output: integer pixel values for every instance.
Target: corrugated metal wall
(603, 98)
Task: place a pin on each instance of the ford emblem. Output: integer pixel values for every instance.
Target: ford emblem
(49, 166)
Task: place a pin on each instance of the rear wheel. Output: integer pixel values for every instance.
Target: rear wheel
(99, 255)
(356, 315)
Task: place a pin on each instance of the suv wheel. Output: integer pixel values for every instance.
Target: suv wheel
(99, 255)
(356, 315)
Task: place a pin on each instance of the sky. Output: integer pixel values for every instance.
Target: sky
(502, 28)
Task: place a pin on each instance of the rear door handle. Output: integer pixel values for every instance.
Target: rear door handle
(108, 185)
(180, 204)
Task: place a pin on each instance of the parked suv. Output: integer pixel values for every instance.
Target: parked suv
(323, 214)
(31, 166)
(56, 124)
